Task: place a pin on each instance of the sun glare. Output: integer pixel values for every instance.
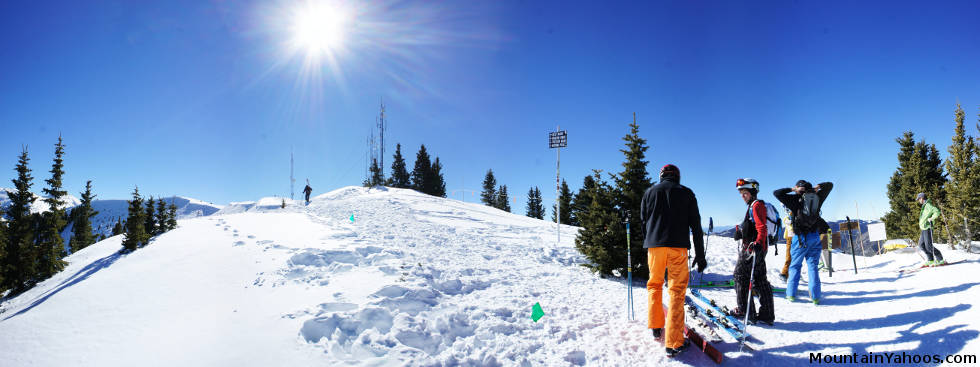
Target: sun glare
(319, 28)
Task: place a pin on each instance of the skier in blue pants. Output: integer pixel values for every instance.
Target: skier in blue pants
(806, 247)
(804, 202)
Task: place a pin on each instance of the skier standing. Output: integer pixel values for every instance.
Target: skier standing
(827, 242)
(669, 212)
(307, 191)
(928, 214)
(804, 204)
(788, 236)
(754, 240)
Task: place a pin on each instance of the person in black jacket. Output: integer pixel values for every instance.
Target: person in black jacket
(669, 212)
(307, 191)
(804, 202)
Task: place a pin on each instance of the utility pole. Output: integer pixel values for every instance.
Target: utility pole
(382, 126)
(557, 140)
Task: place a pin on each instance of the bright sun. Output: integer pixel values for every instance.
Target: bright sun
(319, 28)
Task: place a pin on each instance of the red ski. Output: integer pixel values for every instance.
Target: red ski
(699, 342)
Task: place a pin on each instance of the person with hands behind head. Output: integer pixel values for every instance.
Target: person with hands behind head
(670, 216)
(754, 241)
(804, 204)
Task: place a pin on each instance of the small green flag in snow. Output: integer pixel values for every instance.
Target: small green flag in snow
(536, 312)
(352, 217)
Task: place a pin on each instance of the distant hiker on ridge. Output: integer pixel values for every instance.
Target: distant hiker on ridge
(928, 214)
(669, 212)
(307, 190)
(804, 205)
(755, 240)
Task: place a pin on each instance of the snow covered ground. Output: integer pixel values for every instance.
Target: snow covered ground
(394, 277)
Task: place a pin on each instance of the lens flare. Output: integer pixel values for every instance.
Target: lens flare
(319, 29)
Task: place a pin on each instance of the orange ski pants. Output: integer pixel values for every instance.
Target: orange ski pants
(674, 260)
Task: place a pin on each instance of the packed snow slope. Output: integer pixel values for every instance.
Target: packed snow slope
(393, 277)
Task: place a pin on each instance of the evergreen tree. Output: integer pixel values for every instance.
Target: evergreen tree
(376, 177)
(438, 186)
(50, 245)
(172, 216)
(422, 171)
(118, 229)
(534, 207)
(600, 238)
(973, 221)
(399, 174)
(19, 267)
(3, 249)
(565, 200)
(150, 218)
(489, 195)
(162, 216)
(630, 185)
(81, 228)
(962, 187)
(135, 235)
(503, 201)
(580, 202)
(919, 170)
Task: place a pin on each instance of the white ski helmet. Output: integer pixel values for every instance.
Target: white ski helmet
(747, 183)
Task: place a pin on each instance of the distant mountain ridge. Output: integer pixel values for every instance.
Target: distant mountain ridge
(111, 210)
(870, 248)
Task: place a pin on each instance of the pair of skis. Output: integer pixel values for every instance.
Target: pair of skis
(917, 268)
(727, 284)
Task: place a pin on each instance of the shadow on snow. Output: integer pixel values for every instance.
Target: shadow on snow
(79, 276)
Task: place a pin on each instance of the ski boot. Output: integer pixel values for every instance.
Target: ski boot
(673, 352)
(658, 333)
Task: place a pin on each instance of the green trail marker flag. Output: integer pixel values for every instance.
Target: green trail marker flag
(536, 312)
(352, 217)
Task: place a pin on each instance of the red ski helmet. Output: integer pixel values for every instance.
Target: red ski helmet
(670, 170)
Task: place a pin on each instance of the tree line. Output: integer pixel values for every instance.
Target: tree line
(31, 246)
(953, 185)
(426, 177)
(600, 208)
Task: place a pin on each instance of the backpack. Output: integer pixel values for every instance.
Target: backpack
(809, 214)
(773, 223)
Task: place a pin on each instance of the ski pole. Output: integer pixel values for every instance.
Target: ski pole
(850, 239)
(830, 251)
(748, 299)
(711, 229)
(629, 276)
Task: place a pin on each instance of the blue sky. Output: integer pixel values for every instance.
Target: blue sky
(204, 99)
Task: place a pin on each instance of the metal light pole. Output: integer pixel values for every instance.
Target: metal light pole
(557, 140)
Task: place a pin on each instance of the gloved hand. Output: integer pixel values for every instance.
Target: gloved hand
(754, 246)
(738, 234)
(700, 263)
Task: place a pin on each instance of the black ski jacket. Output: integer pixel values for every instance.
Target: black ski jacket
(670, 214)
(794, 203)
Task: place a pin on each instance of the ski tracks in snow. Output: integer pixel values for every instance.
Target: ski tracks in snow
(422, 282)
